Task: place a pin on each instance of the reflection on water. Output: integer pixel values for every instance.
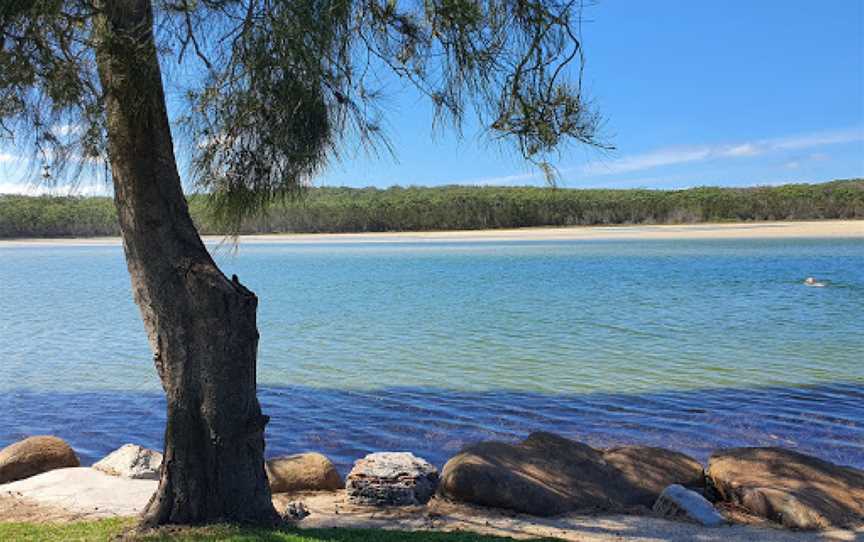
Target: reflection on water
(425, 346)
(827, 420)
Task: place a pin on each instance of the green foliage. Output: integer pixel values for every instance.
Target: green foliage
(334, 210)
(276, 89)
(116, 529)
(22, 216)
(50, 103)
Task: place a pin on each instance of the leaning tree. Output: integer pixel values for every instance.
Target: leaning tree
(265, 93)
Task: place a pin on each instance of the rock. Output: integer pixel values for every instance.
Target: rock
(650, 470)
(547, 475)
(391, 479)
(295, 511)
(677, 501)
(788, 487)
(33, 456)
(132, 461)
(302, 472)
(85, 492)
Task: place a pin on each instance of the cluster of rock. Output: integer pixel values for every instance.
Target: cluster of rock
(548, 475)
(544, 475)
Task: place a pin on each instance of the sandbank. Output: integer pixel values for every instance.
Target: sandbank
(823, 229)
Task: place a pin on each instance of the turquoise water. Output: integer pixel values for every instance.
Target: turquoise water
(427, 346)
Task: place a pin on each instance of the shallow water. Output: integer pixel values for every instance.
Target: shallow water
(427, 346)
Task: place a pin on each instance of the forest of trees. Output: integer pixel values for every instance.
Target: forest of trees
(460, 207)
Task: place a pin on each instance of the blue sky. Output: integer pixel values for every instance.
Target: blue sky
(692, 93)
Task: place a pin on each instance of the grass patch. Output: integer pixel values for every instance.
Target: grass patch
(85, 530)
(111, 529)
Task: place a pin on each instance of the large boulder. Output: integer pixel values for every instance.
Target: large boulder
(678, 502)
(544, 475)
(788, 487)
(547, 475)
(649, 470)
(391, 479)
(33, 456)
(302, 472)
(132, 461)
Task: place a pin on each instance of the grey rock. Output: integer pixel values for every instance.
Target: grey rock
(132, 461)
(391, 479)
(295, 511)
(678, 502)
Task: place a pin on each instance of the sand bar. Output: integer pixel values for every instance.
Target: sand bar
(824, 229)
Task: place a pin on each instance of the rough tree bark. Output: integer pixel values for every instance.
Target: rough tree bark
(201, 325)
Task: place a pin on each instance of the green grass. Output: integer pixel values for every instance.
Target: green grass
(112, 529)
(89, 530)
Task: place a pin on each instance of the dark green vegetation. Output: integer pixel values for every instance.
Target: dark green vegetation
(460, 207)
(112, 529)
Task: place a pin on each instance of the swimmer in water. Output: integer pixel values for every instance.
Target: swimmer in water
(810, 281)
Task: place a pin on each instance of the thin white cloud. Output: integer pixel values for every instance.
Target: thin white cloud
(819, 139)
(502, 180)
(35, 189)
(745, 149)
(798, 161)
(683, 155)
(640, 162)
(5, 157)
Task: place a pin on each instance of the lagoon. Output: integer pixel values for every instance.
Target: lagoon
(428, 345)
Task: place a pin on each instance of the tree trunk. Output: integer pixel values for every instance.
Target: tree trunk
(201, 326)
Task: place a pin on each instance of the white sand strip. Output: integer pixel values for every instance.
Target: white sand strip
(824, 229)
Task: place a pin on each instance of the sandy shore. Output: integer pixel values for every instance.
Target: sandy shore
(825, 229)
(76, 494)
(331, 510)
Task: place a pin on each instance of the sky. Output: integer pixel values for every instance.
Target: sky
(692, 93)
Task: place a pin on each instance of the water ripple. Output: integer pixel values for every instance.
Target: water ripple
(691, 344)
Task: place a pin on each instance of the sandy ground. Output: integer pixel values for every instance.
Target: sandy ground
(83, 494)
(742, 230)
(330, 509)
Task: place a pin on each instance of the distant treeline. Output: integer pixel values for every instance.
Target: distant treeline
(461, 207)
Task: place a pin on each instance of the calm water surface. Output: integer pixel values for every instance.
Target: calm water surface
(427, 346)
